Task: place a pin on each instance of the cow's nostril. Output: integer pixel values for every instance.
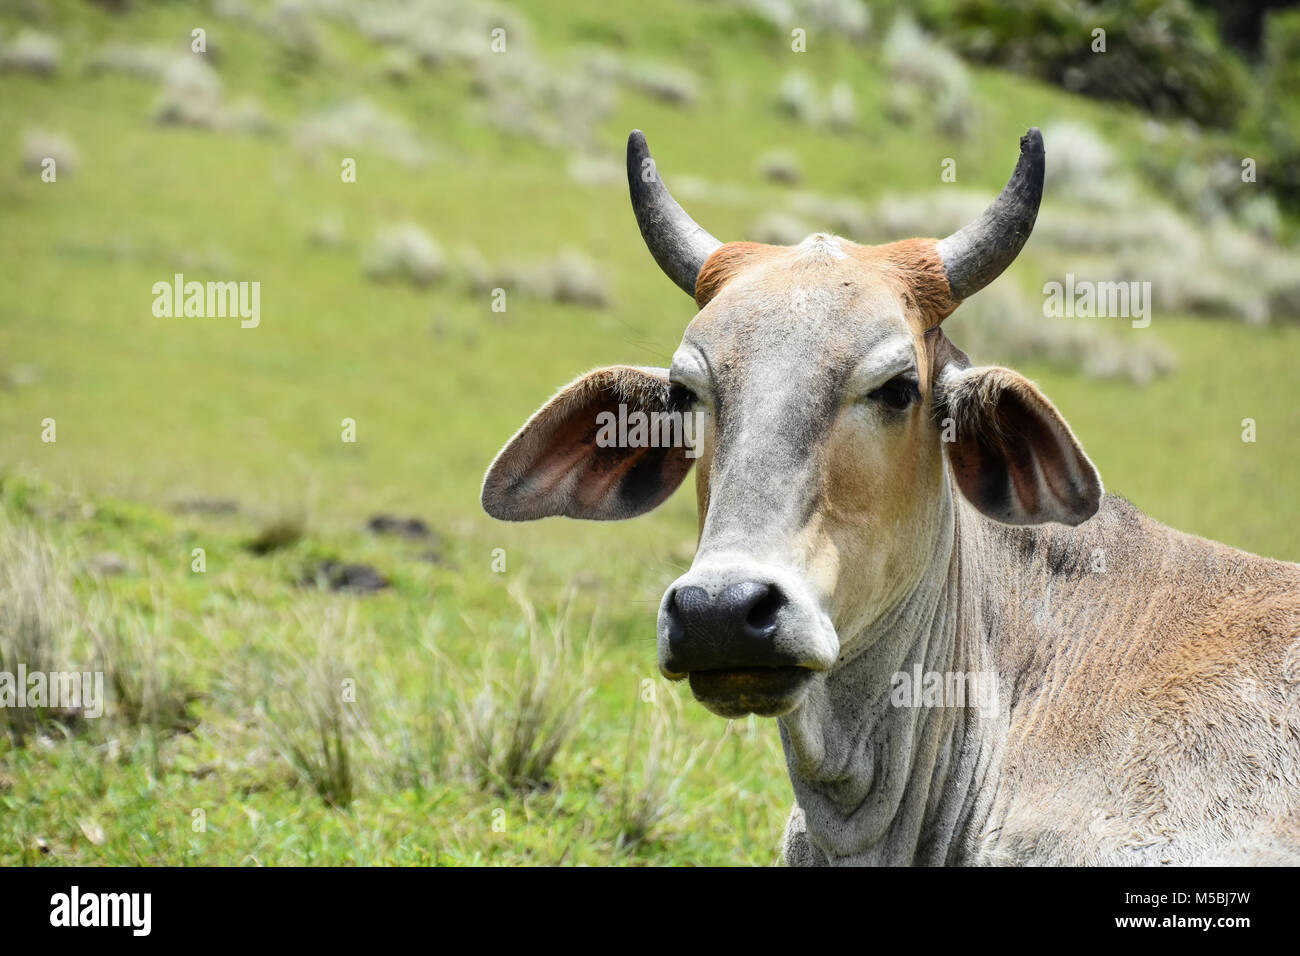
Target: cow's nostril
(761, 619)
(687, 603)
(734, 628)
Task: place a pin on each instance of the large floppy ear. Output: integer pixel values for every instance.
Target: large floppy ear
(574, 458)
(1011, 452)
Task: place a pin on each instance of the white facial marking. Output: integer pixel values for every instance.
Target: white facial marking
(824, 244)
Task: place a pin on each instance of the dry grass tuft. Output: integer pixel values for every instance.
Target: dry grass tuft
(509, 725)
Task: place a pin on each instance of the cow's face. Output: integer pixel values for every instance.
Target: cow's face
(824, 398)
(819, 468)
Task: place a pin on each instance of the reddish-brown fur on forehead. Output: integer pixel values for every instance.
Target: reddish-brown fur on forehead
(912, 267)
(918, 269)
(728, 261)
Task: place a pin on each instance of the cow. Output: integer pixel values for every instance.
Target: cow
(878, 516)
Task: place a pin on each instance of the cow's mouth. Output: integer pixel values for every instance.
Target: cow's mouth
(765, 691)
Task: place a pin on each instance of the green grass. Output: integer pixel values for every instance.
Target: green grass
(241, 633)
(151, 410)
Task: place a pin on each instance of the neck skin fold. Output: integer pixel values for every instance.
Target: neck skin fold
(881, 784)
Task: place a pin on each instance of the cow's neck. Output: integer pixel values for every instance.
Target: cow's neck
(886, 784)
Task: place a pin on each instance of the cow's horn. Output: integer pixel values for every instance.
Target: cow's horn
(678, 244)
(976, 254)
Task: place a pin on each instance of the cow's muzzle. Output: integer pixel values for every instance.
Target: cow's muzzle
(749, 641)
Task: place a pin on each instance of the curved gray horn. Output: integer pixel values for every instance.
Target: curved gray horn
(976, 254)
(677, 243)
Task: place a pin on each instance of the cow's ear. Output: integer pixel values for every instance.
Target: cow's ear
(1011, 452)
(568, 458)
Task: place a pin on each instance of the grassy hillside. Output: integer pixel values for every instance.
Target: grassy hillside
(504, 160)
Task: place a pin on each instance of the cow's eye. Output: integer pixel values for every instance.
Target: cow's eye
(681, 398)
(897, 393)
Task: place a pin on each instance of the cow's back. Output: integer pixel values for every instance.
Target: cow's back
(1152, 686)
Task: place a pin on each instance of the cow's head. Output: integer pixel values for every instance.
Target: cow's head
(827, 396)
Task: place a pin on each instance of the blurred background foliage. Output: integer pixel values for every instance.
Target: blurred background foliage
(1234, 66)
(525, 689)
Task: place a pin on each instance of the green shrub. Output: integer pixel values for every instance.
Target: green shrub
(1162, 55)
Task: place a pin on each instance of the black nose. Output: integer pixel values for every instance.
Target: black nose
(733, 630)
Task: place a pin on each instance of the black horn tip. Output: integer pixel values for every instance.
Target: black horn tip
(638, 151)
(675, 240)
(1031, 167)
(978, 253)
(636, 145)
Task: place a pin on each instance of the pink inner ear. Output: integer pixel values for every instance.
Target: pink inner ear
(1017, 462)
(1021, 439)
(1044, 453)
(571, 465)
(564, 449)
(554, 466)
(966, 462)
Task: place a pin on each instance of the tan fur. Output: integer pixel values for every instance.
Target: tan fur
(726, 262)
(1148, 681)
(1157, 679)
(1126, 736)
(915, 267)
(912, 267)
